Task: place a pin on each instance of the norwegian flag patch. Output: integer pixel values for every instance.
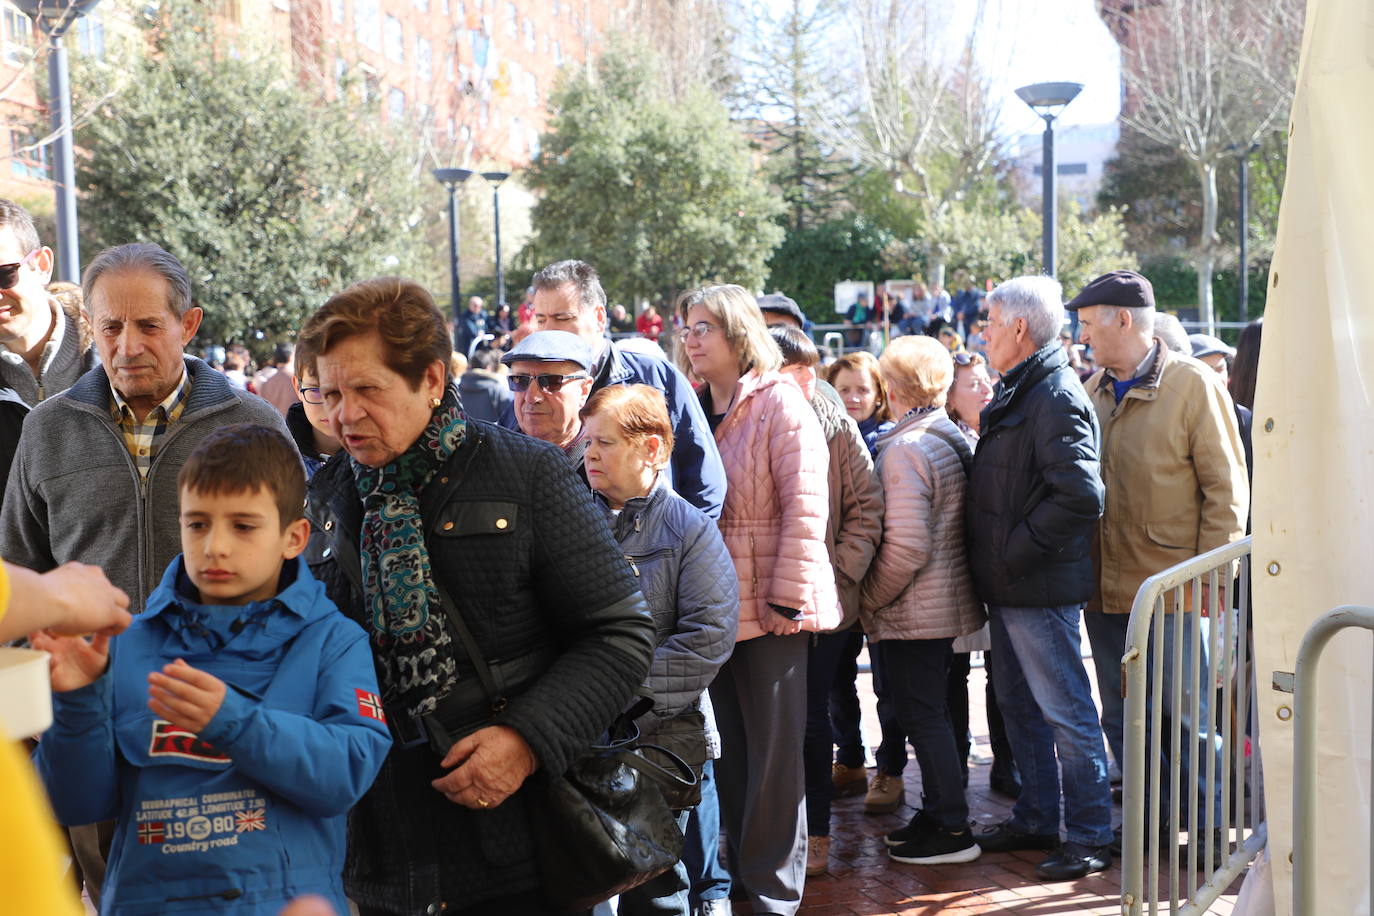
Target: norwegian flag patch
(151, 832)
(370, 705)
(245, 821)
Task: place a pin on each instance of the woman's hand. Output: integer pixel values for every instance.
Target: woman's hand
(491, 764)
(75, 663)
(777, 624)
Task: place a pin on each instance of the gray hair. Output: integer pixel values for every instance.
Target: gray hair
(1039, 300)
(141, 256)
(1169, 329)
(1143, 320)
(18, 221)
(580, 274)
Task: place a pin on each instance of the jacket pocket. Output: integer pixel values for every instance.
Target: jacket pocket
(477, 517)
(1173, 535)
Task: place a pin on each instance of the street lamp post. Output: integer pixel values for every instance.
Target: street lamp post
(496, 178)
(1048, 100)
(451, 179)
(54, 18)
(1243, 155)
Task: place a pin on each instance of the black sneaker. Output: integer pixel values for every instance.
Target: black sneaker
(939, 847)
(1005, 838)
(919, 826)
(1074, 860)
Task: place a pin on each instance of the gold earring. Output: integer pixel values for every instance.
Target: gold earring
(434, 403)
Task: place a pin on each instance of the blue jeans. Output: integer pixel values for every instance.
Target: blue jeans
(844, 712)
(1107, 635)
(709, 879)
(1047, 706)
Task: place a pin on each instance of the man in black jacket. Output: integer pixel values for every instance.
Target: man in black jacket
(1035, 495)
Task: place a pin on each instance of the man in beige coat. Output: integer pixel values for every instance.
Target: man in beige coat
(1174, 471)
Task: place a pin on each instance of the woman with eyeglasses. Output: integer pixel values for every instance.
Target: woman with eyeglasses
(687, 578)
(305, 419)
(774, 524)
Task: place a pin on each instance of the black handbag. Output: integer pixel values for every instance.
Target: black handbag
(603, 827)
(684, 736)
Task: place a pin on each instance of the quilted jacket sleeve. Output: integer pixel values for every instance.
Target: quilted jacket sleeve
(599, 617)
(861, 499)
(1065, 440)
(909, 496)
(707, 620)
(798, 461)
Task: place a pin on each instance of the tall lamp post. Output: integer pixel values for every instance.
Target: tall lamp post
(1048, 100)
(1243, 154)
(54, 18)
(496, 178)
(451, 179)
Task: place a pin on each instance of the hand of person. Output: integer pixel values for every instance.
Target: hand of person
(309, 905)
(75, 663)
(86, 601)
(777, 624)
(491, 764)
(186, 697)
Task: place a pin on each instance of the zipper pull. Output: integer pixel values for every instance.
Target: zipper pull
(631, 561)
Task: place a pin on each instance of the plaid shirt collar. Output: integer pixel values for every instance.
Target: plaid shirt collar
(142, 438)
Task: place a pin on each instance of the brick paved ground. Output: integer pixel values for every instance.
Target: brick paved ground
(863, 882)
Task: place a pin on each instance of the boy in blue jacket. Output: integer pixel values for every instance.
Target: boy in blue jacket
(233, 725)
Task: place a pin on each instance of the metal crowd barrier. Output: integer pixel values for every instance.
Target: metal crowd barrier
(1305, 750)
(1208, 703)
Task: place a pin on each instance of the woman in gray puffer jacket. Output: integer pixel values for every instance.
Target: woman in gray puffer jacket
(688, 581)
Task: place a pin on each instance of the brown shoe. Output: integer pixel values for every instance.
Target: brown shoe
(848, 780)
(817, 855)
(885, 794)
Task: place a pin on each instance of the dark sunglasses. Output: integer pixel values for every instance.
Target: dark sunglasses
(964, 358)
(550, 382)
(9, 273)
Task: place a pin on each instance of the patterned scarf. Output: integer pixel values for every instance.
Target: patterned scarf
(404, 616)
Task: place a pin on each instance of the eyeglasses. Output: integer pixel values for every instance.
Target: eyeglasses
(700, 329)
(964, 358)
(550, 383)
(312, 396)
(9, 273)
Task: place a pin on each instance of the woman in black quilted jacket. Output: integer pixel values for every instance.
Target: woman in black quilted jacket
(425, 505)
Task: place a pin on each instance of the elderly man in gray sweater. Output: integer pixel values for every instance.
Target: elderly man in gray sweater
(94, 477)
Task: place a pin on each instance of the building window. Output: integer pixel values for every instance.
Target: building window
(424, 59)
(90, 36)
(531, 45)
(367, 23)
(558, 52)
(336, 10)
(395, 40)
(555, 7)
(452, 128)
(27, 162)
(422, 5)
(395, 105)
(512, 21)
(340, 74)
(17, 36)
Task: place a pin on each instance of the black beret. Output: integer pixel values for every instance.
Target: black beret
(1124, 288)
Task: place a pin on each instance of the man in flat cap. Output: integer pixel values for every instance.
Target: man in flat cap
(550, 375)
(1176, 486)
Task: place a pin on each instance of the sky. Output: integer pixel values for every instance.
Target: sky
(1044, 41)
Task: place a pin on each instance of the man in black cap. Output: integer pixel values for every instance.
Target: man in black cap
(1174, 472)
(781, 311)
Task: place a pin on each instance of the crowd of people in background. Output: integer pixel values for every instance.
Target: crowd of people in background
(403, 569)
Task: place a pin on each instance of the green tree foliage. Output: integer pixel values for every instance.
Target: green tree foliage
(272, 198)
(661, 195)
(809, 263)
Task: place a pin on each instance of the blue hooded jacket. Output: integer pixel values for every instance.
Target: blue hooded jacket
(252, 811)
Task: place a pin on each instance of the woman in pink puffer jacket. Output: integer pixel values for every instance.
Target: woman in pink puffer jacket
(773, 523)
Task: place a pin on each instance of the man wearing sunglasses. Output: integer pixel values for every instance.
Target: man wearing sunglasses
(568, 297)
(41, 351)
(549, 376)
